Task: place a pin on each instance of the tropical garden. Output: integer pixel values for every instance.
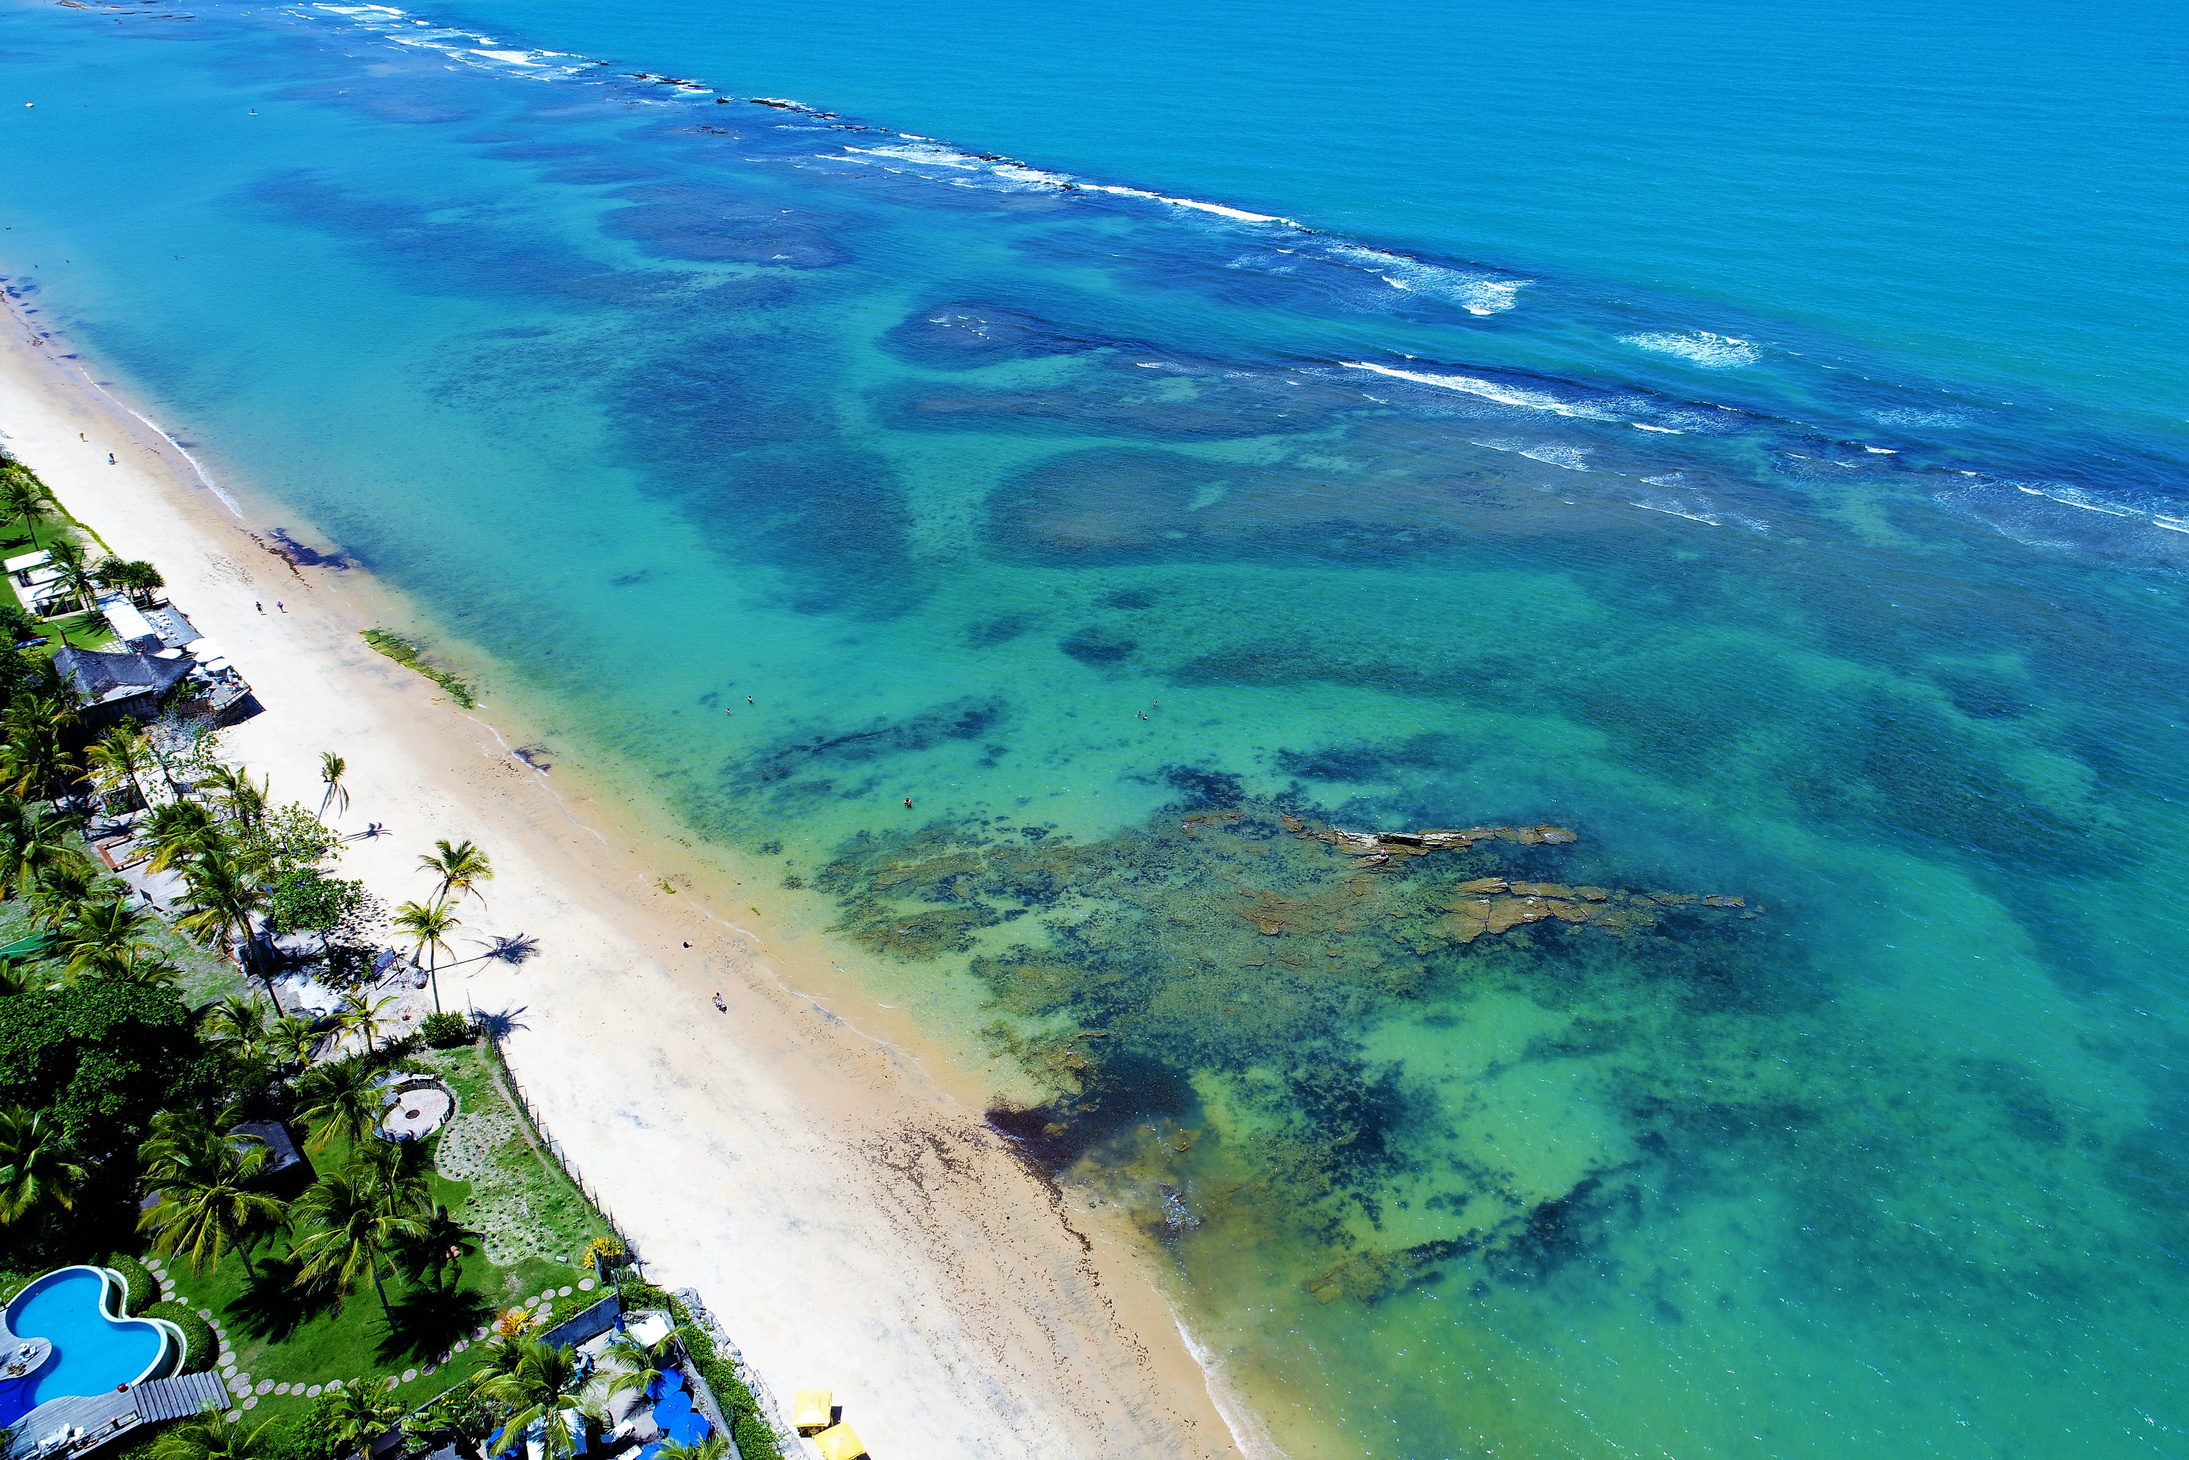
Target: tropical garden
(162, 1113)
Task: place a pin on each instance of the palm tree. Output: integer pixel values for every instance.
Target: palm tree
(442, 1243)
(340, 1099)
(119, 756)
(133, 576)
(428, 929)
(238, 1023)
(25, 499)
(361, 1015)
(713, 1447)
(66, 557)
(213, 1438)
(537, 1391)
(401, 1176)
(32, 839)
(33, 751)
(105, 937)
(178, 831)
(360, 1413)
(223, 900)
(64, 890)
(17, 978)
(244, 798)
(34, 1171)
(354, 1232)
(643, 1365)
(294, 1039)
(460, 867)
(331, 769)
(208, 1201)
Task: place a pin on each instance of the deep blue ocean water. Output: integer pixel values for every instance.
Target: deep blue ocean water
(1751, 439)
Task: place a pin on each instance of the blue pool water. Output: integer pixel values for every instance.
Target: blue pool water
(1752, 436)
(92, 1351)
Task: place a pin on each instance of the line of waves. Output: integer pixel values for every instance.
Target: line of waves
(2044, 514)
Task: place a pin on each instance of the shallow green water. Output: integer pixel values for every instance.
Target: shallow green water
(1072, 516)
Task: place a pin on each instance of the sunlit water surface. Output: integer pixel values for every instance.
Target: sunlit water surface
(1136, 542)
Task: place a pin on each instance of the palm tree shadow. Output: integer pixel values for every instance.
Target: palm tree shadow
(499, 1024)
(274, 1305)
(511, 948)
(426, 1322)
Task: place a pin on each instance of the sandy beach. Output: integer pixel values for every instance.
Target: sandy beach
(843, 1210)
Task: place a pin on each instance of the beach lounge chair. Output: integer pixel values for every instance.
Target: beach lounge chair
(837, 1442)
(813, 1410)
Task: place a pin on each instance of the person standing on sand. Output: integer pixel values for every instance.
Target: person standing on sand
(257, 605)
(280, 605)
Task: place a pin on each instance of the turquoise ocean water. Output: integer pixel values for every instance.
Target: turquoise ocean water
(1750, 438)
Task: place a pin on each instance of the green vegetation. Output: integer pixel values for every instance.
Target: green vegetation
(407, 653)
(200, 1348)
(355, 1287)
(143, 1288)
(446, 1031)
(756, 1438)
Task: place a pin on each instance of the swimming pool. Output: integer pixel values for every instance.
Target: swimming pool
(94, 1350)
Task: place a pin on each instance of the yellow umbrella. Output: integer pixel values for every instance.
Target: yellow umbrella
(839, 1443)
(813, 1410)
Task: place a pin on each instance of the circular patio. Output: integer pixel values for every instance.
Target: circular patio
(421, 1107)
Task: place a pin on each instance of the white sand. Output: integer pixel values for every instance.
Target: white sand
(851, 1223)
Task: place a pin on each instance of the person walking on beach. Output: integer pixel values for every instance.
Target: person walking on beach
(725, 1008)
(280, 605)
(257, 605)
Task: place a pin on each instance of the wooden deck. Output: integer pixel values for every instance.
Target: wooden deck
(62, 1429)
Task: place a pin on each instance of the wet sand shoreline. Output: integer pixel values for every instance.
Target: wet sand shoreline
(832, 1192)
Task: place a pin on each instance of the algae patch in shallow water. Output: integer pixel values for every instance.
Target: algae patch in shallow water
(1222, 971)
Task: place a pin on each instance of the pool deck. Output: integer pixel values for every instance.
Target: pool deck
(51, 1431)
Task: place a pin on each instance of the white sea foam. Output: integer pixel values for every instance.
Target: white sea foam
(925, 152)
(1698, 347)
(1679, 510)
(514, 58)
(1910, 416)
(1504, 395)
(1572, 458)
(1476, 292)
(1660, 430)
(2073, 497)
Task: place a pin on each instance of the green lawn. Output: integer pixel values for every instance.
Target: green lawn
(83, 630)
(205, 976)
(536, 1227)
(78, 631)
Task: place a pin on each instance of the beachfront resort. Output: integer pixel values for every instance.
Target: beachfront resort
(268, 1190)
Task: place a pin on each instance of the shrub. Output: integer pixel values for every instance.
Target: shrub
(446, 1031)
(199, 1347)
(307, 1436)
(144, 1289)
(755, 1437)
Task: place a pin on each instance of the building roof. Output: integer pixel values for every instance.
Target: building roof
(279, 1148)
(99, 676)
